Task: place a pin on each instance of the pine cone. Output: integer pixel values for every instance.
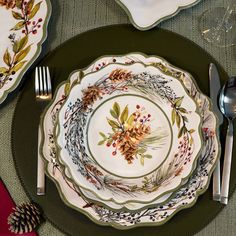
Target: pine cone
(139, 132)
(8, 3)
(129, 140)
(90, 95)
(119, 75)
(24, 219)
(127, 149)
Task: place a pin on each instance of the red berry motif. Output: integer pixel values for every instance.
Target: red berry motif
(205, 129)
(114, 153)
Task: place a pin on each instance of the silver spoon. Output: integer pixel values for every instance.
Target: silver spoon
(227, 104)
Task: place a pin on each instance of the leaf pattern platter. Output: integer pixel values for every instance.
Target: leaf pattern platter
(156, 215)
(146, 14)
(129, 133)
(23, 30)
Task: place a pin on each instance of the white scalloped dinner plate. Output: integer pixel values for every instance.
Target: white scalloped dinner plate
(146, 14)
(156, 215)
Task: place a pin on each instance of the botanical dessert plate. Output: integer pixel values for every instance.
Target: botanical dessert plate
(146, 14)
(23, 25)
(185, 197)
(126, 125)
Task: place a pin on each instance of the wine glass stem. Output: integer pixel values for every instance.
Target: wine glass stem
(228, 12)
(224, 23)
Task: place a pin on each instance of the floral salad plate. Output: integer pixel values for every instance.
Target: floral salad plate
(184, 197)
(129, 133)
(23, 25)
(146, 14)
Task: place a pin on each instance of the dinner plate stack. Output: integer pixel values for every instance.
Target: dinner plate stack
(129, 140)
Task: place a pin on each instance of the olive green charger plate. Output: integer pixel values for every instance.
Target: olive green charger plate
(79, 52)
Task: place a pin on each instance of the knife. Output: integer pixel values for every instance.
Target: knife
(214, 80)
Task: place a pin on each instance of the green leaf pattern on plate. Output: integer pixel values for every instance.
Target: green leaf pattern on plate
(24, 12)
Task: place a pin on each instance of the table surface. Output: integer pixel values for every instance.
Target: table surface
(72, 17)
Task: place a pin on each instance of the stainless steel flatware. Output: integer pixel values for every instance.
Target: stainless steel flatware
(227, 103)
(43, 91)
(214, 80)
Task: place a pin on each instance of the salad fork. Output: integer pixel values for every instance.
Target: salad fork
(43, 91)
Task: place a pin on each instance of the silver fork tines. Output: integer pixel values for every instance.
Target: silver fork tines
(43, 87)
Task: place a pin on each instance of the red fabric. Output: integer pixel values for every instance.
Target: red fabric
(6, 205)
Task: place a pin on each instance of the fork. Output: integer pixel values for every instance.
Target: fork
(43, 91)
